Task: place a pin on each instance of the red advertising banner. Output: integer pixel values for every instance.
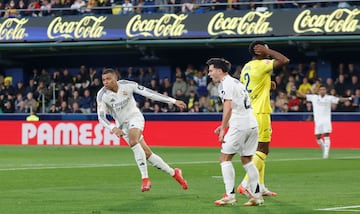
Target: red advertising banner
(294, 134)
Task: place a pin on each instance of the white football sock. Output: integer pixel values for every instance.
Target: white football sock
(228, 174)
(320, 142)
(326, 146)
(159, 163)
(140, 159)
(253, 174)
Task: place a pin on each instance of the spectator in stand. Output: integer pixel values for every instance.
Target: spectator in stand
(163, 7)
(173, 6)
(190, 86)
(304, 86)
(33, 10)
(312, 72)
(20, 108)
(64, 108)
(45, 77)
(166, 86)
(147, 107)
(42, 93)
(45, 8)
(187, 6)
(281, 100)
(180, 96)
(213, 93)
(95, 86)
(20, 88)
(79, 6)
(30, 103)
(75, 108)
(205, 105)
(294, 102)
(152, 74)
(340, 85)
(63, 96)
(8, 88)
(66, 77)
(130, 75)
(107, 7)
(329, 84)
(179, 83)
(31, 87)
(21, 7)
(191, 99)
(280, 85)
(19, 98)
(316, 86)
(127, 8)
(149, 6)
(8, 104)
(86, 102)
(141, 78)
(67, 8)
(290, 84)
(53, 109)
(201, 82)
(90, 5)
(57, 8)
(74, 98)
(352, 71)
(11, 11)
(356, 100)
(154, 85)
(354, 84)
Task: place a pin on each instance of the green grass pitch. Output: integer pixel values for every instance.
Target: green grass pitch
(101, 180)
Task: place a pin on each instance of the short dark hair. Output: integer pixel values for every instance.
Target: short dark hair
(108, 71)
(253, 44)
(221, 63)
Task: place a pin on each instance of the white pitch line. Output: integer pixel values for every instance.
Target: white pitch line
(71, 166)
(342, 209)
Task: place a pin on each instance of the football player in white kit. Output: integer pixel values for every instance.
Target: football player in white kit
(116, 98)
(241, 137)
(322, 116)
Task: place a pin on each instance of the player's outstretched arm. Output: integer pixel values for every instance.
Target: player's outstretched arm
(343, 99)
(180, 104)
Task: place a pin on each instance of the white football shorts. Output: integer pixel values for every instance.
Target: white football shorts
(242, 142)
(323, 127)
(134, 122)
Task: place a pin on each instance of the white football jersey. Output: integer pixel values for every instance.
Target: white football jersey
(122, 105)
(242, 115)
(322, 107)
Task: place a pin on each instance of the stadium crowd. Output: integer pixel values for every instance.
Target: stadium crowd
(61, 91)
(35, 8)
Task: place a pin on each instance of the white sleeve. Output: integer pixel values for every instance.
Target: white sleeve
(153, 95)
(309, 97)
(227, 92)
(334, 100)
(101, 111)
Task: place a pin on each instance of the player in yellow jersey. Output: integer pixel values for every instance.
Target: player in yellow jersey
(256, 76)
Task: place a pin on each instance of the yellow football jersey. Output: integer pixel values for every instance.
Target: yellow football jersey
(256, 76)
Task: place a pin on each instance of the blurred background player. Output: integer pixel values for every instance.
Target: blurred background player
(256, 76)
(116, 98)
(322, 104)
(241, 138)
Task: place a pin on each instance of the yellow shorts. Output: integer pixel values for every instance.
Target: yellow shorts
(265, 131)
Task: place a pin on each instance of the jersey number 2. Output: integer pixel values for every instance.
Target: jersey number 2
(247, 79)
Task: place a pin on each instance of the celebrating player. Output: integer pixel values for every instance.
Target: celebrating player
(116, 97)
(322, 116)
(241, 137)
(256, 76)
